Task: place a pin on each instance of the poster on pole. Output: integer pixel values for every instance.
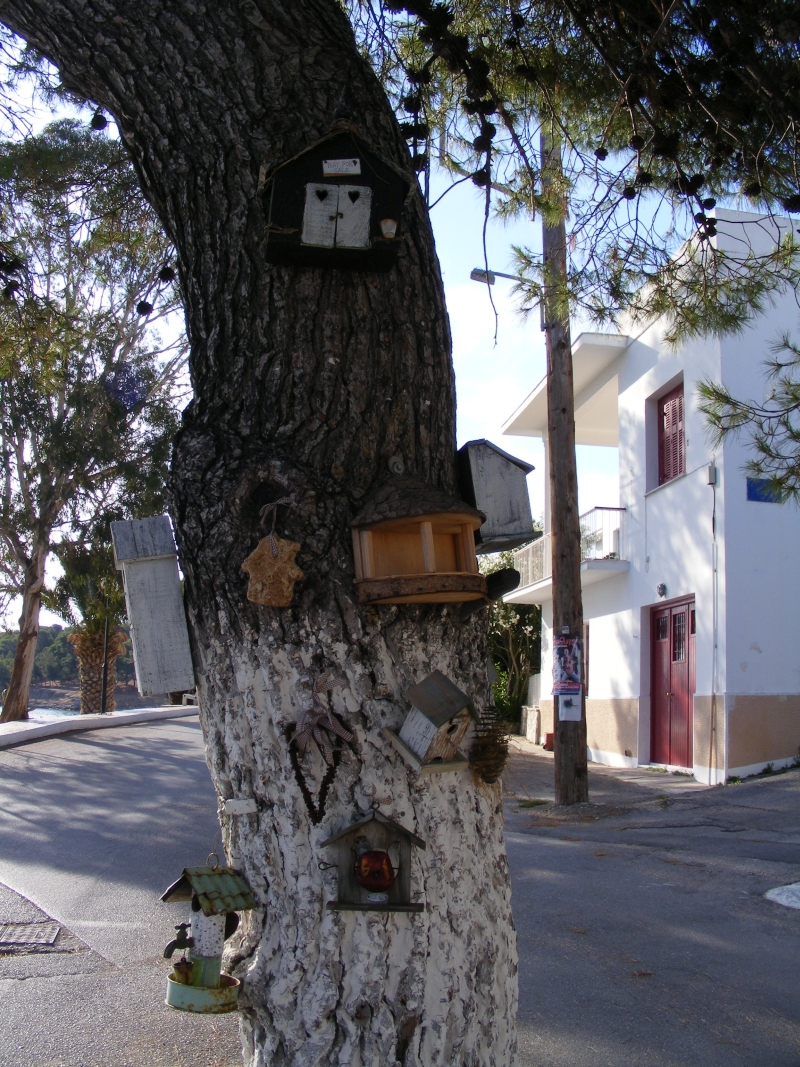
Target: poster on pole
(567, 666)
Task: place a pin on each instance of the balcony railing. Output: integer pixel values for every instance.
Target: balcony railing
(603, 536)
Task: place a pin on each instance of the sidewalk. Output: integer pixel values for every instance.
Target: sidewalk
(19, 733)
(529, 775)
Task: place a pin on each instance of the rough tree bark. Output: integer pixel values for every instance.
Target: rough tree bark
(306, 382)
(569, 748)
(89, 649)
(15, 705)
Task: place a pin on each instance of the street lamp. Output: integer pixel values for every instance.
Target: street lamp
(478, 274)
(487, 277)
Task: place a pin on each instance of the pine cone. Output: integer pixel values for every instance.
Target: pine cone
(489, 751)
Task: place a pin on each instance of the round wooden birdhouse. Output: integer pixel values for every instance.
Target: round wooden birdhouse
(414, 544)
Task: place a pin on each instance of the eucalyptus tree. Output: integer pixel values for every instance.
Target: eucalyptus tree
(307, 382)
(86, 406)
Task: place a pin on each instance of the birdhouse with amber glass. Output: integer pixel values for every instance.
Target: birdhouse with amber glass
(337, 204)
(374, 866)
(414, 544)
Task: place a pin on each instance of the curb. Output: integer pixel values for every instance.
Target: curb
(19, 733)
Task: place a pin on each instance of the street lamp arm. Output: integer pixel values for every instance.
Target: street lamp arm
(479, 274)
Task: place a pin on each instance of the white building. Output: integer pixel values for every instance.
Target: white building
(690, 587)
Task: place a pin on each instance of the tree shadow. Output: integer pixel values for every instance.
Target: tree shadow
(130, 805)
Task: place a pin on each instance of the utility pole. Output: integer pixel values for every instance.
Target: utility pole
(569, 712)
(104, 676)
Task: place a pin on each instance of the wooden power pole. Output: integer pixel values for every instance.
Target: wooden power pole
(569, 727)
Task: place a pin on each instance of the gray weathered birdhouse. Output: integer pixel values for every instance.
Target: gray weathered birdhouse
(337, 204)
(435, 730)
(144, 550)
(374, 866)
(494, 482)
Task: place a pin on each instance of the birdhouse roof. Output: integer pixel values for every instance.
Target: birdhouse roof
(521, 463)
(345, 139)
(404, 496)
(218, 890)
(142, 538)
(375, 816)
(439, 699)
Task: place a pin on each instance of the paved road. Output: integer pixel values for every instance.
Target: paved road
(95, 826)
(644, 935)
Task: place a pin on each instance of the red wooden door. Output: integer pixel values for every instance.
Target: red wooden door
(672, 685)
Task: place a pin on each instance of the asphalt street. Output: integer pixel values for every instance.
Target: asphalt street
(643, 931)
(95, 826)
(644, 935)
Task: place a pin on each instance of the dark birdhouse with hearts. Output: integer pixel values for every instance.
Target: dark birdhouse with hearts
(337, 204)
(374, 866)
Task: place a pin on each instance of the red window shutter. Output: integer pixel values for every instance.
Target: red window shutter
(671, 441)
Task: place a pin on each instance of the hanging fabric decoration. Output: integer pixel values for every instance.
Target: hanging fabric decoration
(319, 723)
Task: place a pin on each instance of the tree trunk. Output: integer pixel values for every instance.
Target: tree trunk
(15, 705)
(89, 651)
(569, 742)
(306, 382)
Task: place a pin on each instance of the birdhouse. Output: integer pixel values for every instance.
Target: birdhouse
(374, 866)
(435, 730)
(414, 544)
(196, 983)
(494, 482)
(337, 204)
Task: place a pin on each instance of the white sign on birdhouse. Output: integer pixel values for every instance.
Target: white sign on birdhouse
(333, 167)
(337, 216)
(145, 552)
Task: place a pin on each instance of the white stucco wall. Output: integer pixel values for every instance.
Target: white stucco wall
(752, 607)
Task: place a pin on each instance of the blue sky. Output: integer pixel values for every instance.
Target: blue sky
(492, 379)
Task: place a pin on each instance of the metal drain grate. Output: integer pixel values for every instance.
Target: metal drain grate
(28, 933)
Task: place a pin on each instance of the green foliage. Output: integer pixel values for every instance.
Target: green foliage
(514, 643)
(772, 426)
(55, 658)
(655, 111)
(88, 404)
(89, 593)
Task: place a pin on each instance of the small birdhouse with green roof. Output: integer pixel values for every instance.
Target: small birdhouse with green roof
(216, 894)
